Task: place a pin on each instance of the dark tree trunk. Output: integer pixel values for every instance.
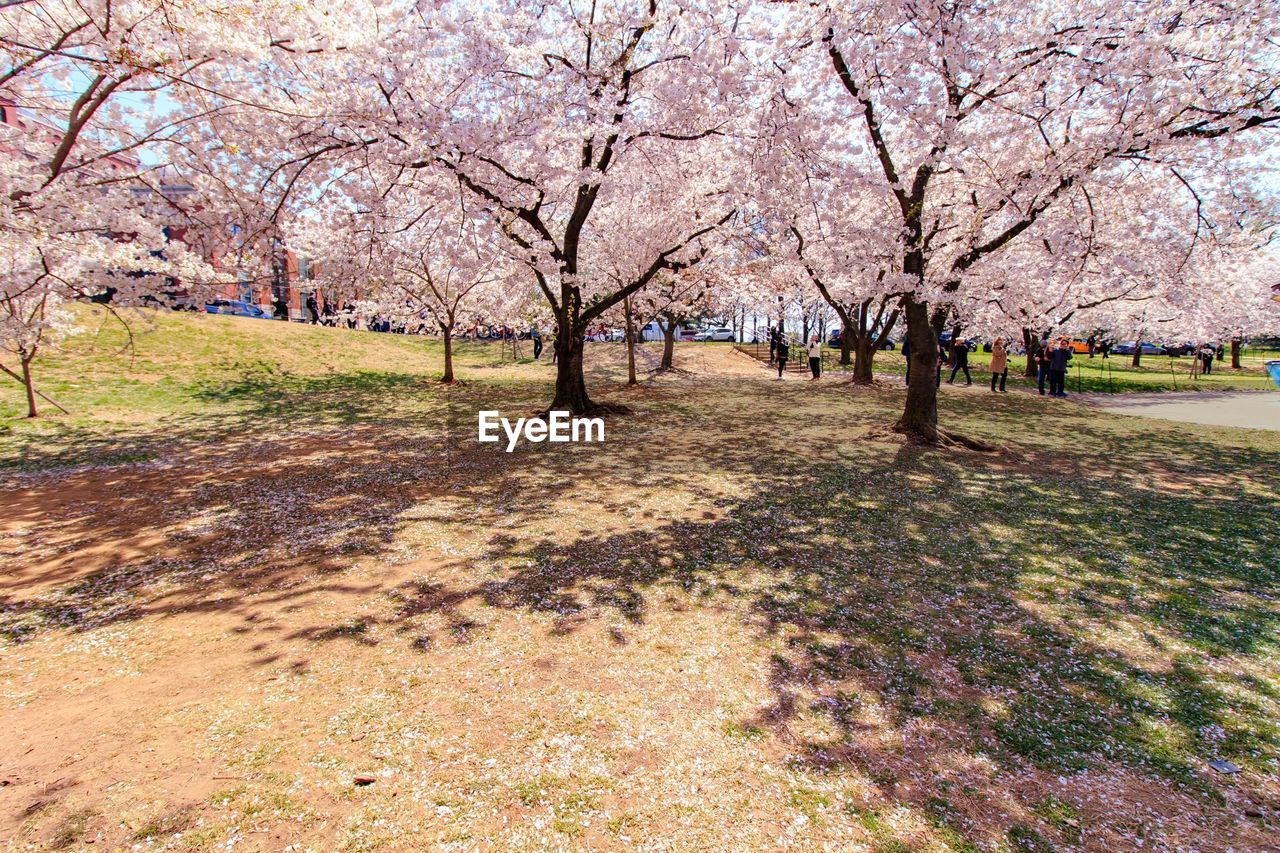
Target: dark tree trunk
(631, 343)
(1137, 353)
(571, 386)
(1235, 354)
(863, 354)
(846, 343)
(1029, 347)
(668, 345)
(920, 414)
(30, 386)
(447, 333)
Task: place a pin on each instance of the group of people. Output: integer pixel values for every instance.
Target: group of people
(780, 349)
(1051, 362)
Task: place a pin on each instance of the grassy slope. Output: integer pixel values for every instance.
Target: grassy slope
(199, 375)
(729, 626)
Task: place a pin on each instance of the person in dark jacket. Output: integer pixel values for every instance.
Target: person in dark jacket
(1041, 357)
(1058, 359)
(313, 308)
(536, 334)
(782, 353)
(960, 361)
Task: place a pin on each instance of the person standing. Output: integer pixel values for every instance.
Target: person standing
(999, 364)
(1059, 357)
(815, 358)
(1042, 363)
(782, 354)
(1206, 359)
(1093, 344)
(536, 334)
(960, 361)
(313, 308)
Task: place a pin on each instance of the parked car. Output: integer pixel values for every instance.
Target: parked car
(686, 333)
(945, 340)
(236, 308)
(1127, 348)
(717, 334)
(836, 338)
(1175, 350)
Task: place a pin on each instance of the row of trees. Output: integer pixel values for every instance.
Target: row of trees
(919, 163)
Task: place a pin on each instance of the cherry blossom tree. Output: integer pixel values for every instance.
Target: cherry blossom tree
(421, 255)
(86, 92)
(586, 133)
(973, 121)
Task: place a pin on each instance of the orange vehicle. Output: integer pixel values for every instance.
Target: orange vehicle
(1079, 347)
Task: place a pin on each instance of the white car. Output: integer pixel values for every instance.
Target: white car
(720, 334)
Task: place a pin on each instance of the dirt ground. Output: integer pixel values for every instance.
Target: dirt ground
(551, 649)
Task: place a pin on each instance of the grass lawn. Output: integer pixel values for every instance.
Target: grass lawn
(262, 560)
(1115, 374)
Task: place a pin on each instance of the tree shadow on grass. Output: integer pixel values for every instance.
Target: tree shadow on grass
(253, 411)
(997, 611)
(1008, 619)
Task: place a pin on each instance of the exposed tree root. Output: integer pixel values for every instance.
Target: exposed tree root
(939, 437)
(595, 410)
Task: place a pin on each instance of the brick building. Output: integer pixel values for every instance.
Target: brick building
(284, 277)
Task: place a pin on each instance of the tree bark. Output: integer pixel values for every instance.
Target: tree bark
(920, 413)
(1137, 353)
(571, 386)
(668, 345)
(29, 384)
(631, 343)
(1029, 347)
(863, 354)
(446, 332)
(846, 342)
(1236, 346)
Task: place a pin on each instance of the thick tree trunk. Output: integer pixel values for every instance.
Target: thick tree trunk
(1235, 354)
(631, 343)
(864, 349)
(919, 419)
(571, 385)
(1137, 353)
(447, 333)
(1029, 347)
(668, 346)
(846, 344)
(30, 386)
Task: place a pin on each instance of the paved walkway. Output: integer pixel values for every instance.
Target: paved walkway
(1248, 409)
